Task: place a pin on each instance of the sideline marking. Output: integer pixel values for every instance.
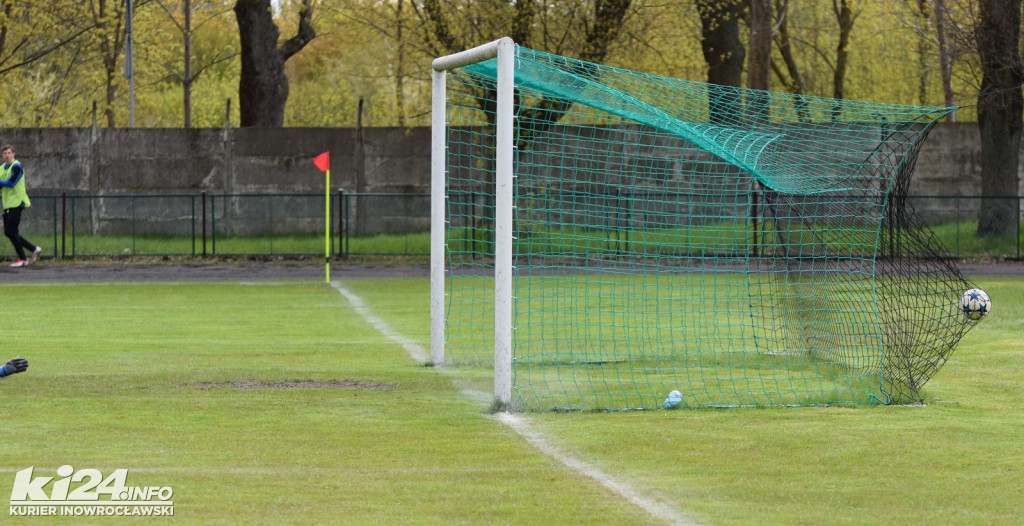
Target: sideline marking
(414, 349)
(520, 424)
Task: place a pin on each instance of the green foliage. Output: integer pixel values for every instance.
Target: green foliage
(358, 54)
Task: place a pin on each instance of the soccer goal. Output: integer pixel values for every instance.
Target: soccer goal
(602, 237)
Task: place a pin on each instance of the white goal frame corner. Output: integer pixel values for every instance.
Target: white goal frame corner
(504, 50)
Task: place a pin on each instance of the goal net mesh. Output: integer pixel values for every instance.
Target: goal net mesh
(746, 248)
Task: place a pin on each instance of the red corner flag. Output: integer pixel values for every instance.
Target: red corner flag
(323, 161)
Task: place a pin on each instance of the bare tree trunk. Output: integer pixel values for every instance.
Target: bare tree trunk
(400, 64)
(7, 7)
(608, 18)
(187, 77)
(441, 35)
(522, 24)
(923, 42)
(263, 86)
(760, 58)
(723, 52)
(845, 18)
(189, 72)
(945, 64)
(999, 113)
(109, 20)
(794, 81)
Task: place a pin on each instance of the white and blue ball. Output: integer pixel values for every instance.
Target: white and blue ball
(976, 304)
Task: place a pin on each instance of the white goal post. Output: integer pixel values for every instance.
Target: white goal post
(504, 50)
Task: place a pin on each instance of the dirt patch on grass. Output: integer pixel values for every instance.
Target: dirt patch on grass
(356, 385)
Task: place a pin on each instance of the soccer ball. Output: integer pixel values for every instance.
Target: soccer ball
(975, 304)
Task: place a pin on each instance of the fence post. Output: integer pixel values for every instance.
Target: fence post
(754, 211)
(958, 221)
(192, 202)
(213, 225)
(73, 227)
(472, 224)
(618, 222)
(342, 236)
(63, 224)
(56, 227)
(203, 207)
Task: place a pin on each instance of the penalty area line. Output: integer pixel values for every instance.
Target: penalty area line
(520, 424)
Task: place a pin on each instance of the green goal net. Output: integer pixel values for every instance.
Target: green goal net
(742, 247)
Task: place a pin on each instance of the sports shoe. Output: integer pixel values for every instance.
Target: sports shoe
(35, 255)
(20, 263)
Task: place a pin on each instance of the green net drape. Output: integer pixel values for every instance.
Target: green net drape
(743, 247)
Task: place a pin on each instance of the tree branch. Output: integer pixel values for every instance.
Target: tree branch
(303, 35)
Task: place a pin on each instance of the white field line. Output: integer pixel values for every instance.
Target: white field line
(660, 510)
(520, 424)
(414, 349)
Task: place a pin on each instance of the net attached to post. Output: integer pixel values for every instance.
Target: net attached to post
(746, 248)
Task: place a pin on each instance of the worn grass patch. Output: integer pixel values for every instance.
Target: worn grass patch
(297, 384)
(265, 403)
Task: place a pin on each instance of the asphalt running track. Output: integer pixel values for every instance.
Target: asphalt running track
(46, 271)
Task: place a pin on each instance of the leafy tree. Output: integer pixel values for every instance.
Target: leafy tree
(582, 28)
(188, 75)
(33, 29)
(389, 54)
(41, 47)
(108, 41)
(379, 51)
(929, 21)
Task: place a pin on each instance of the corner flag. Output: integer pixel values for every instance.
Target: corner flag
(323, 163)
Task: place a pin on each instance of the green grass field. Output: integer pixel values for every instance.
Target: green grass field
(277, 403)
(623, 341)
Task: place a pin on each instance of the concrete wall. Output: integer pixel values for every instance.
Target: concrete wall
(246, 160)
(950, 161)
(250, 160)
(113, 162)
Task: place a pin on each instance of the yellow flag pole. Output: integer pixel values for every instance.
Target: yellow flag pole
(327, 226)
(323, 163)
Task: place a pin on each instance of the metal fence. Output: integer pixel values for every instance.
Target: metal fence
(210, 225)
(361, 224)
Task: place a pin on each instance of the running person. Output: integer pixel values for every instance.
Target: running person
(15, 199)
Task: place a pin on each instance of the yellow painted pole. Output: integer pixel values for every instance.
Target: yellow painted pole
(327, 226)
